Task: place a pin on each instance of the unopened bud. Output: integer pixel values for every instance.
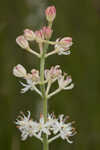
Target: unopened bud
(19, 71)
(39, 36)
(66, 42)
(50, 13)
(29, 35)
(47, 31)
(22, 42)
(35, 74)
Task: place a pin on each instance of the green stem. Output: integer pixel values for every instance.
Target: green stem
(44, 98)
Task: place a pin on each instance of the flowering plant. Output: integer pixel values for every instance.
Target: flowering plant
(48, 128)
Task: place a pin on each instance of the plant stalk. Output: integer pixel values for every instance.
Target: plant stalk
(43, 91)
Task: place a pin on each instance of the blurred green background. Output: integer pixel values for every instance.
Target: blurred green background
(77, 18)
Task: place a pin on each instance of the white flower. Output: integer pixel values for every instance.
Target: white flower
(65, 84)
(63, 46)
(26, 126)
(66, 129)
(32, 78)
(19, 71)
(53, 125)
(43, 127)
(29, 86)
(53, 73)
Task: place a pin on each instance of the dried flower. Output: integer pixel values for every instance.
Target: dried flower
(50, 13)
(19, 71)
(29, 35)
(22, 42)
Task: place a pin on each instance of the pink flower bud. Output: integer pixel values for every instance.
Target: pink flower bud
(35, 75)
(29, 35)
(19, 71)
(50, 13)
(66, 42)
(39, 36)
(47, 31)
(22, 42)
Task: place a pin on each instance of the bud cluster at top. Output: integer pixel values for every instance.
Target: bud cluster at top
(61, 45)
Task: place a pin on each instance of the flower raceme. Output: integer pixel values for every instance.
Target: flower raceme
(36, 80)
(59, 127)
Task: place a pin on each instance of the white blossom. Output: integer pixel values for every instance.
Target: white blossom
(65, 84)
(43, 127)
(65, 129)
(63, 46)
(28, 86)
(26, 126)
(53, 73)
(32, 79)
(53, 125)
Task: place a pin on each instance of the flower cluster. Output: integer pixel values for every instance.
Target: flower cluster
(59, 127)
(61, 46)
(32, 79)
(51, 75)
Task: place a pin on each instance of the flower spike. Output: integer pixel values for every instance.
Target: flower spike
(48, 128)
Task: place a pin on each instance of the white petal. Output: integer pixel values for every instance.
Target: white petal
(69, 87)
(69, 140)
